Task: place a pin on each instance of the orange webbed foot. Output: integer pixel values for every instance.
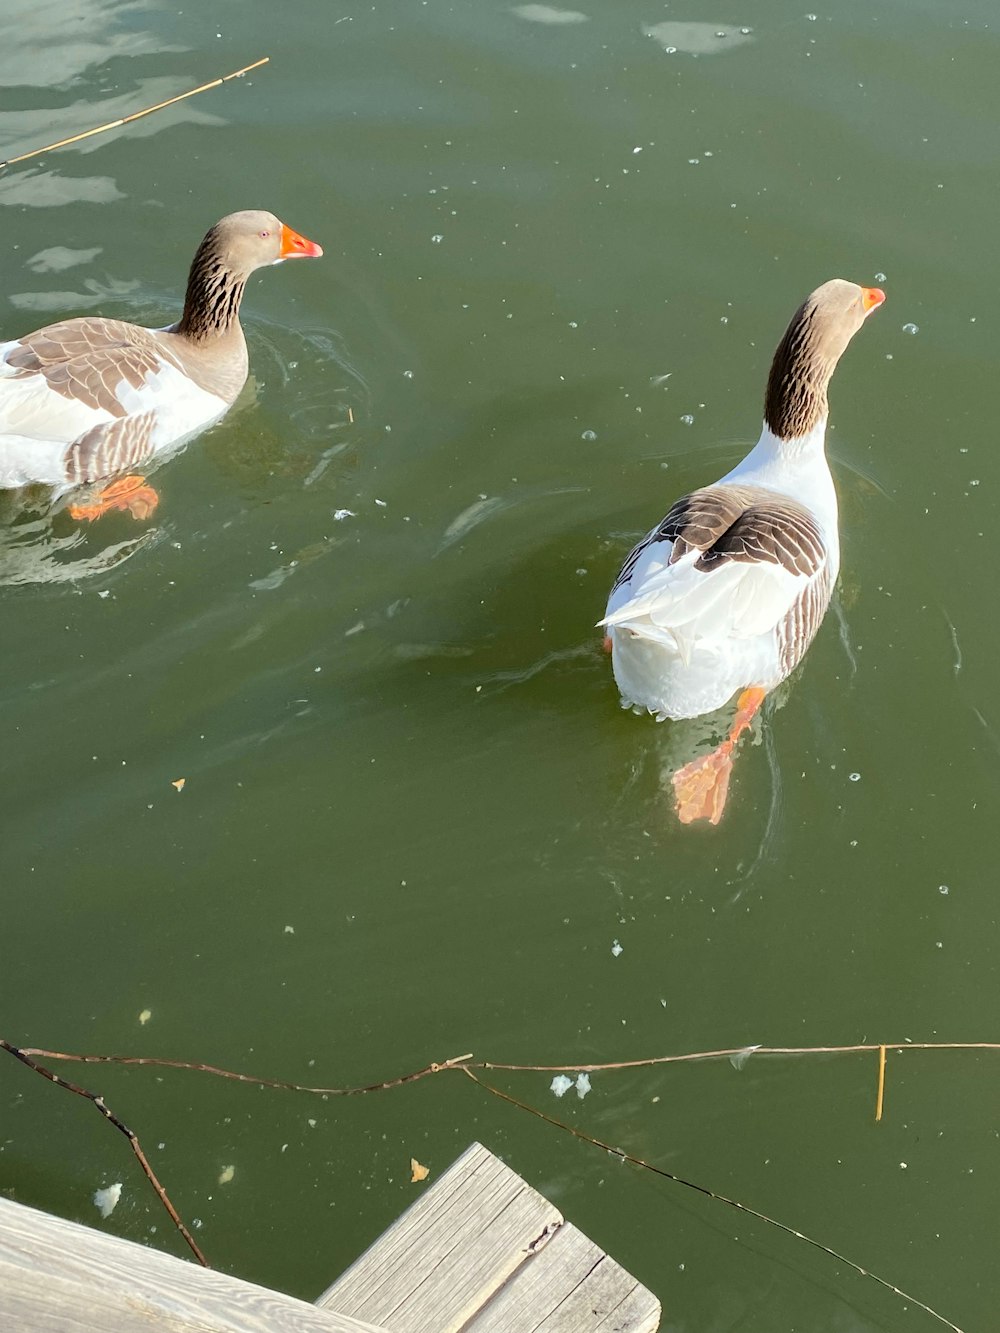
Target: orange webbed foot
(129, 493)
(701, 787)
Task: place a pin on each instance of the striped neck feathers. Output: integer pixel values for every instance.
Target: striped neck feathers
(795, 403)
(214, 293)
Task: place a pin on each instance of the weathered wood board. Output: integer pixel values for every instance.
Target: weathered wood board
(482, 1252)
(60, 1277)
(568, 1286)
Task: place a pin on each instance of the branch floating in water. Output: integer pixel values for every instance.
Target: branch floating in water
(466, 1064)
(136, 115)
(120, 1125)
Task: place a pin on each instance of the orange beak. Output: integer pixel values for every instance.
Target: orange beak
(294, 246)
(871, 298)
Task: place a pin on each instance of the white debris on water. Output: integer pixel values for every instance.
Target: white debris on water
(911, 328)
(548, 14)
(561, 1084)
(697, 39)
(340, 514)
(741, 1057)
(616, 949)
(226, 1174)
(106, 1200)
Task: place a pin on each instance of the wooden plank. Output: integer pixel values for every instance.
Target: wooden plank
(449, 1252)
(570, 1285)
(60, 1277)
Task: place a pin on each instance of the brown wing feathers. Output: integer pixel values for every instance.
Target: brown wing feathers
(744, 523)
(86, 360)
(110, 448)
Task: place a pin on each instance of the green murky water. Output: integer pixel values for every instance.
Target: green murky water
(415, 822)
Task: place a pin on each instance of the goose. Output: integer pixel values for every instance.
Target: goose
(727, 592)
(89, 398)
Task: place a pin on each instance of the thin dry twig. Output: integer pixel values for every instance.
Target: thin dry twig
(459, 1061)
(881, 1083)
(691, 1056)
(465, 1064)
(711, 1194)
(133, 1138)
(456, 1062)
(136, 115)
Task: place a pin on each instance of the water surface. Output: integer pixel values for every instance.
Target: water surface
(560, 247)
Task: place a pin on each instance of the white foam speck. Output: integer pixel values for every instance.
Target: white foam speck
(106, 1200)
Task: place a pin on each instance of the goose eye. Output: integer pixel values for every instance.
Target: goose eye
(264, 235)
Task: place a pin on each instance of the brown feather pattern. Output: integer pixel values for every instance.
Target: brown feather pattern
(214, 293)
(110, 448)
(798, 629)
(87, 359)
(807, 356)
(796, 389)
(745, 523)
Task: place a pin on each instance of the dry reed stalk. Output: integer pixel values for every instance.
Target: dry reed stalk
(136, 115)
(881, 1083)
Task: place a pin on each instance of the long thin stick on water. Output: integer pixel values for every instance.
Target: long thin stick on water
(464, 1064)
(438, 1067)
(120, 1125)
(136, 115)
(881, 1083)
(711, 1194)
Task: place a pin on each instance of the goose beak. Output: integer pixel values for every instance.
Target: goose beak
(294, 246)
(871, 298)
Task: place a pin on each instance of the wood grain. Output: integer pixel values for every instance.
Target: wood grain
(483, 1252)
(60, 1277)
(570, 1285)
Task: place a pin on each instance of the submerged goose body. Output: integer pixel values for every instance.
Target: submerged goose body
(87, 398)
(727, 592)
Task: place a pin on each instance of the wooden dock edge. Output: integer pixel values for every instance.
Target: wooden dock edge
(482, 1252)
(61, 1277)
(479, 1251)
